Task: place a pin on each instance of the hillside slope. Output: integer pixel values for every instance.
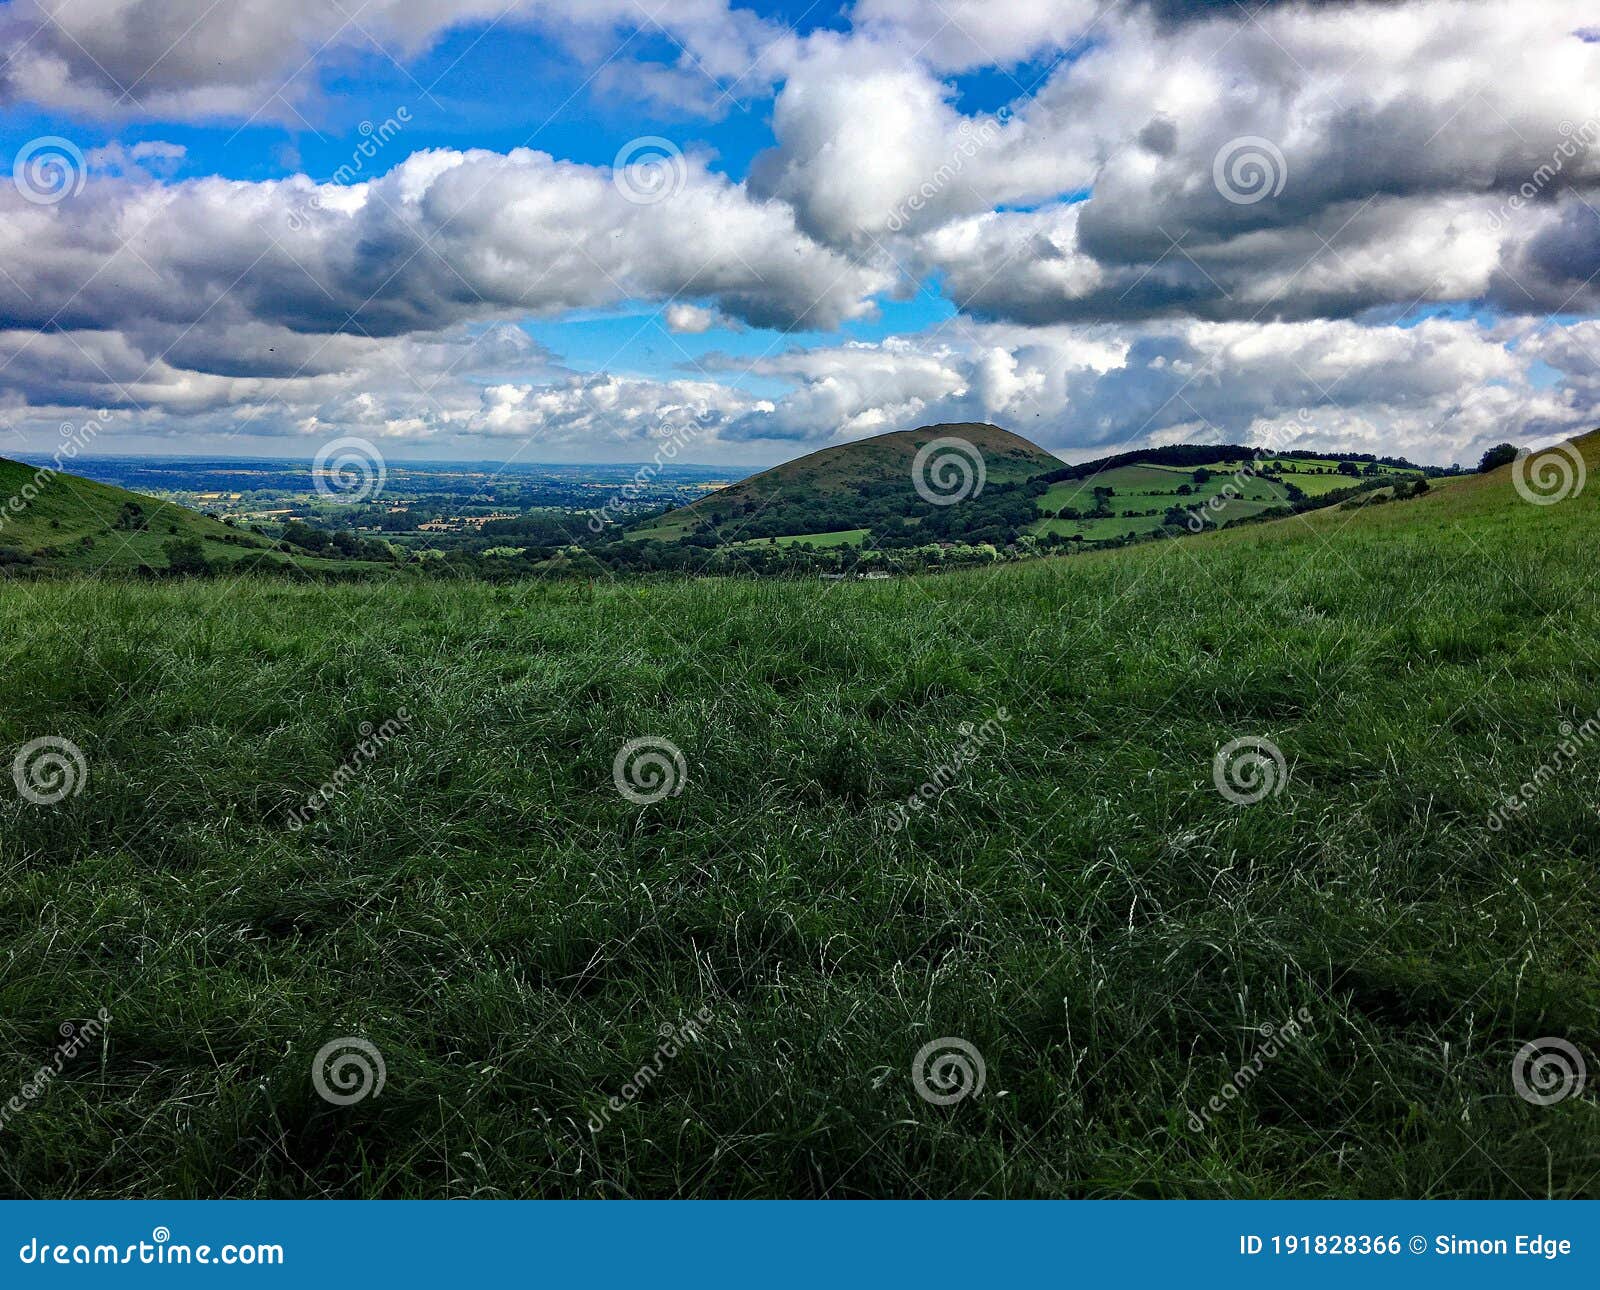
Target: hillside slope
(868, 494)
(982, 806)
(829, 481)
(55, 520)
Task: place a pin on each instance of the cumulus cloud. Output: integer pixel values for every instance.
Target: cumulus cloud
(1187, 220)
(444, 236)
(260, 59)
(1440, 391)
(1302, 161)
(692, 320)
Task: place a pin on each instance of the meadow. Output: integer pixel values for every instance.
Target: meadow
(1111, 935)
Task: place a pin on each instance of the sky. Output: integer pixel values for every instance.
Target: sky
(574, 230)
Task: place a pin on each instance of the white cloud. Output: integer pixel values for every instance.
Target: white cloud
(1433, 152)
(261, 59)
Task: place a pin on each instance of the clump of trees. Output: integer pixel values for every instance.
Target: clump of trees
(342, 545)
(1502, 454)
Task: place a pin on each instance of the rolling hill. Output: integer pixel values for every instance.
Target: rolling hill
(866, 479)
(867, 494)
(51, 520)
(1074, 897)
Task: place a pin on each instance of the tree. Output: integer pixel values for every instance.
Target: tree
(1349, 468)
(186, 556)
(1502, 454)
(131, 518)
(1201, 475)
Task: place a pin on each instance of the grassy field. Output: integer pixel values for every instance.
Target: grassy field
(840, 537)
(75, 524)
(1112, 936)
(1234, 491)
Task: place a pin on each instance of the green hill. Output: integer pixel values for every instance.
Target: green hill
(1215, 488)
(867, 484)
(979, 806)
(865, 494)
(51, 520)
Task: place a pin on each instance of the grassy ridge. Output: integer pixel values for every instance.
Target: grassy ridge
(1081, 904)
(832, 476)
(63, 522)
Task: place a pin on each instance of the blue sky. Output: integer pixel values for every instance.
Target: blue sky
(882, 214)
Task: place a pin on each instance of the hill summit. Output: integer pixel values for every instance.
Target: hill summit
(896, 477)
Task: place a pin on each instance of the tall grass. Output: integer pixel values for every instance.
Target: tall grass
(1080, 903)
